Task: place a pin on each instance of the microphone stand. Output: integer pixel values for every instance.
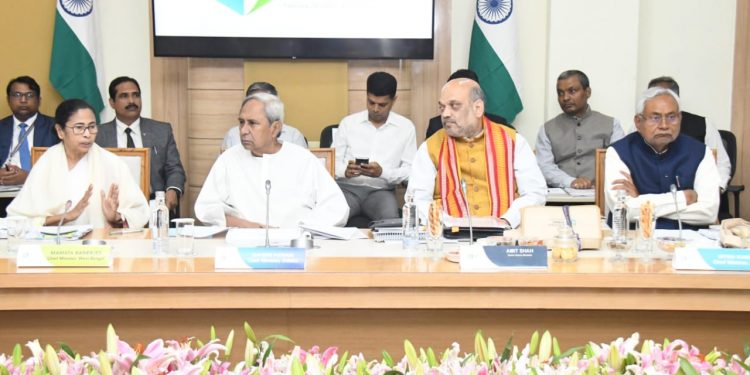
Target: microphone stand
(268, 205)
(468, 211)
(673, 189)
(68, 204)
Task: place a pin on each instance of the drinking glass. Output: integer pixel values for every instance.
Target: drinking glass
(435, 228)
(17, 227)
(645, 238)
(618, 247)
(185, 228)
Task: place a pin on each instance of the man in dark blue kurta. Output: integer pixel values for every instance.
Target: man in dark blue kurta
(646, 163)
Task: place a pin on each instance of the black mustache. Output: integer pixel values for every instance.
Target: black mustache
(131, 106)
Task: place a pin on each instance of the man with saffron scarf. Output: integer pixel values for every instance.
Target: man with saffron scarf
(497, 164)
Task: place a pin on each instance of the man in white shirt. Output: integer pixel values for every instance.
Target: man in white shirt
(374, 151)
(496, 163)
(646, 163)
(263, 170)
(288, 132)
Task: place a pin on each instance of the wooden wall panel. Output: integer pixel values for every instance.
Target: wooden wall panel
(741, 103)
(216, 74)
(212, 112)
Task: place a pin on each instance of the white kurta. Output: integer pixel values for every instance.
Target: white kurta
(50, 184)
(302, 191)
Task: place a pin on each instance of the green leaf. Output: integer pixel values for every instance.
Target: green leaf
(68, 350)
(742, 364)
(431, 360)
(469, 357)
(555, 347)
(273, 338)
(393, 372)
(507, 350)
(17, 355)
(590, 353)
(387, 359)
(229, 343)
(138, 359)
(342, 362)
(297, 367)
(687, 368)
(361, 368)
(4, 370)
(545, 346)
(556, 359)
(212, 335)
(250, 333)
(746, 349)
(411, 355)
(534, 343)
(206, 367)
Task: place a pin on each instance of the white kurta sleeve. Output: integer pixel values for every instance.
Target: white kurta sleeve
(532, 189)
(341, 144)
(133, 205)
(422, 180)
(702, 212)
(553, 175)
(330, 205)
(210, 205)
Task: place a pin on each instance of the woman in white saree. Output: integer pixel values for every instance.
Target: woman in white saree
(98, 184)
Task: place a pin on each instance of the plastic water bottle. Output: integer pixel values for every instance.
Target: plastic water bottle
(410, 224)
(620, 217)
(160, 226)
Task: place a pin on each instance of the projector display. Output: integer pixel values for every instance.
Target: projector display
(332, 29)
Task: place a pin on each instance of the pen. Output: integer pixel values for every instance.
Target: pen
(677, 180)
(124, 231)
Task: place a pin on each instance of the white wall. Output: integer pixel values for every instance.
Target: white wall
(126, 47)
(620, 45)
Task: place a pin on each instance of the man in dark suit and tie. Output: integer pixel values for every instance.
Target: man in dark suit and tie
(129, 129)
(25, 129)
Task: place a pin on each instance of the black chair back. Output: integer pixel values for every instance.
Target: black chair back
(326, 136)
(730, 145)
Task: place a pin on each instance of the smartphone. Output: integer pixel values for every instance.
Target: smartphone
(361, 161)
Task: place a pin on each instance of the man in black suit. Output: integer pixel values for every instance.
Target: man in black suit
(129, 129)
(436, 123)
(26, 126)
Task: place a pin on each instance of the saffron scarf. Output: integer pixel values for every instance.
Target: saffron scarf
(499, 153)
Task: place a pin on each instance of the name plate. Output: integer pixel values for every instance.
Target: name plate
(68, 255)
(260, 258)
(486, 258)
(717, 259)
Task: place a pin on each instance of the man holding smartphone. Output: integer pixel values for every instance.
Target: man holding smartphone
(374, 151)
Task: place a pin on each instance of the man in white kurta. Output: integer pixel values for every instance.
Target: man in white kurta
(302, 191)
(51, 184)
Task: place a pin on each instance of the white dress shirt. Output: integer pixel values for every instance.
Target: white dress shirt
(532, 188)
(122, 137)
(556, 177)
(706, 185)
(713, 141)
(392, 145)
(16, 158)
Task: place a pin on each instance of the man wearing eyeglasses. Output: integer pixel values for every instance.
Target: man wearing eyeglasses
(129, 130)
(25, 129)
(645, 164)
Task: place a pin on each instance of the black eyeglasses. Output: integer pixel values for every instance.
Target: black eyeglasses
(18, 95)
(79, 129)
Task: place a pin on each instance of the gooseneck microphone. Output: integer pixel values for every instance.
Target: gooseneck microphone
(268, 207)
(468, 211)
(673, 189)
(68, 204)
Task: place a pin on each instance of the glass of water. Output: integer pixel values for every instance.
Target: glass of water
(185, 229)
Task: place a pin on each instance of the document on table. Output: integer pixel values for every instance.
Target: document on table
(336, 233)
(579, 192)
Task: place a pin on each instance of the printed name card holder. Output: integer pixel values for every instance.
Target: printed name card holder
(260, 258)
(488, 258)
(711, 259)
(67, 255)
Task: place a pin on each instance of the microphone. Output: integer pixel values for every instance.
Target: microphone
(673, 189)
(68, 204)
(468, 211)
(268, 206)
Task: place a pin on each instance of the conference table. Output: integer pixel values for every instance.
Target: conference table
(366, 297)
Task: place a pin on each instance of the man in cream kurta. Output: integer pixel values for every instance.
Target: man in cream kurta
(51, 184)
(513, 180)
(301, 190)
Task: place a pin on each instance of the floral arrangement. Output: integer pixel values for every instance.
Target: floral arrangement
(541, 355)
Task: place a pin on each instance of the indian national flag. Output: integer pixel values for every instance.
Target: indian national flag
(494, 56)
(75, 61)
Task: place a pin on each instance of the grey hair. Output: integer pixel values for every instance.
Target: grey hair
(272, 105)
(651, 93)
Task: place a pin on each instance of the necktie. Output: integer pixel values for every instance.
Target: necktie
(131, 144)
(23, 151)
